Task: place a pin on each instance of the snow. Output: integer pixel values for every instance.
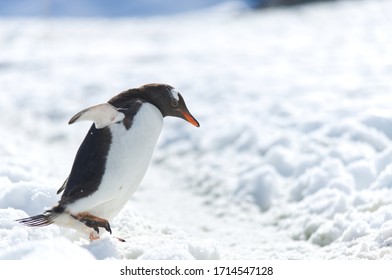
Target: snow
(292, 160)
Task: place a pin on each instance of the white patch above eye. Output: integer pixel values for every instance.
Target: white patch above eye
(175, 95)
(102, 115)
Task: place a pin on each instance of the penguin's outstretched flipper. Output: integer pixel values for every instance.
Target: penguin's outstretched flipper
(102, 115)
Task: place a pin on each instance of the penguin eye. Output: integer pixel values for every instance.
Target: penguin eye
(174, 103)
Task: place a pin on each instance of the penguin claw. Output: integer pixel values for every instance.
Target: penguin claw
(107, 227)
(93, 222)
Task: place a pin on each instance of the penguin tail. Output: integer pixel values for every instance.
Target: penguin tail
(39, 220)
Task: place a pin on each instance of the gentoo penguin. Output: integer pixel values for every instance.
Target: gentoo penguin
(113, 157)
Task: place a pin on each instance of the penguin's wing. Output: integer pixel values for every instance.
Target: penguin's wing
(102, 115)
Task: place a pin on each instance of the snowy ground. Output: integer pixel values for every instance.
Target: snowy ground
(293, 159)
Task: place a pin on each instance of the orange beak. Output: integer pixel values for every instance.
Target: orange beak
(190, 118)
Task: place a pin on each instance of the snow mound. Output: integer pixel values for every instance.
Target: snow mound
(59, 249)
(29, 197)
(259, 187)
(150, 241)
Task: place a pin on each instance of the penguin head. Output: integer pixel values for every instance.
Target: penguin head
(164, 97)
(169, 101)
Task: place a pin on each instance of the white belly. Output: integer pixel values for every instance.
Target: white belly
(128, 159)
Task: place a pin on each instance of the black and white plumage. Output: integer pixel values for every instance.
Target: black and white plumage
(113, 157)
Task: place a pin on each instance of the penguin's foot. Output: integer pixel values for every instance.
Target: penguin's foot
(93, 222)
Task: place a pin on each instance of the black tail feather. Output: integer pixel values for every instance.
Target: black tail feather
(39, 220)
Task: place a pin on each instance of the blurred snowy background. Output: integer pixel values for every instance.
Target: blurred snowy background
(293, 159)
(110, 8)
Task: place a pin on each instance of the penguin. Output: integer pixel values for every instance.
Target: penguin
(113, 157)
